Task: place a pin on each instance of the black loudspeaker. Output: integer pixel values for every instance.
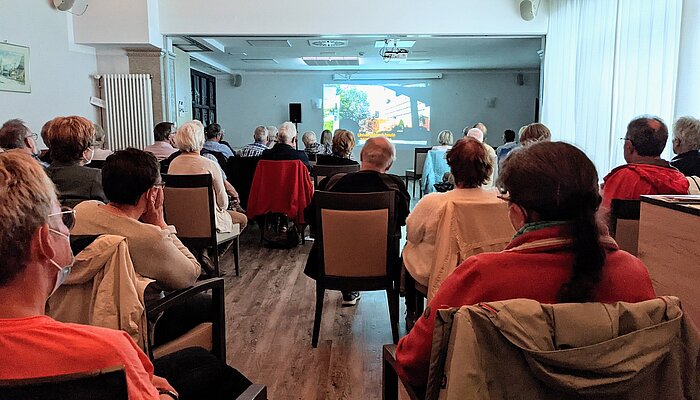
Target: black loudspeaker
(520, 79)
(295, 112)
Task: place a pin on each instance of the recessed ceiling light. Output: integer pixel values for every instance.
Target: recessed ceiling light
(259, 60)
(269, 43)
(330, 61)
(394, 43)
(418, 60)
(328, 43)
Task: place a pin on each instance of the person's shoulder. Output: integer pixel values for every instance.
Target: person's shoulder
(620, 172)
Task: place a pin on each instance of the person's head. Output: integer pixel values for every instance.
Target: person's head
(308, 138)
(14, 134)
(190, 137)
(100, 137)
(445, 138)
(508, 136)
(475, 133)
(163, 131)
(470, 164)
(378, 154)
(214, 132)
(260, 135)
(686, 135)
(287, 133)
(34, 245)
(70, 139)
(555, 181)
(271, 133)
(343, 143)
(326, 137)
(646, 137)
(535, 133)
(129, 177)
(480, 126)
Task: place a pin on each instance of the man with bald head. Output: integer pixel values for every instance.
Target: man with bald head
(377, 156)
(645, 172)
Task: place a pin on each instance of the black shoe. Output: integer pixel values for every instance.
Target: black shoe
(350, 298)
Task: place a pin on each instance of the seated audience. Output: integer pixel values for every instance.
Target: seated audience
(190, 139)
(534, 133)
(686, 144)
(377, 156)
(310, 144)
(445, 140)
(99, 152)
(509, 144)
(343, 144)
(271, 136)
(558, 255)
(479, 135)
(255, 149)
(14, 134)
(214, 137)
(326, 146)
(645, 172)
(284, 148)
(35, 263)
(471, 167)
(163, 134)
(70, 139)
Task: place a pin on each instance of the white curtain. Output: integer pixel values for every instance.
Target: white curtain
(607, 61)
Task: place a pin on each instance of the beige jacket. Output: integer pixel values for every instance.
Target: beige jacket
(521, 349)
(103, 290)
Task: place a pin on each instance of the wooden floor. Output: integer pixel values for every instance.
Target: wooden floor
(270, 311)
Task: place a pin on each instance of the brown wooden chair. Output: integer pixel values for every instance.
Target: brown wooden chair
(624, 224)
(321, 171)
(416, 174)
(190, 206)
(106, 384)
(343, 220)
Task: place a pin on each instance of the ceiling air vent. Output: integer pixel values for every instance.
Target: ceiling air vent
(189, 45)
(269, 43)
(331, 61)
(328, 43)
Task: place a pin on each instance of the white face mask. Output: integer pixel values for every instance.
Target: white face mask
(64, 271)
(92, 154)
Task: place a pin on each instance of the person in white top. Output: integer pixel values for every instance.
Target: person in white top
(163, 135)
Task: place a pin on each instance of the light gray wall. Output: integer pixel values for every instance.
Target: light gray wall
(458, 99)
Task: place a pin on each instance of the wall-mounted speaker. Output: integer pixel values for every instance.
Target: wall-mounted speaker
(63, 5)
(527, 10)
(236, 80)
(295, 112)
(520, 79)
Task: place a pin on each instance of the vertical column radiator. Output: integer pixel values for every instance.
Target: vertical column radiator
(128, 110)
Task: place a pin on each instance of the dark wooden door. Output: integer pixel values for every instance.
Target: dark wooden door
(203, 97)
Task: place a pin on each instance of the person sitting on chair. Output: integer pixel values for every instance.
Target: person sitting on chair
(533, 133)
(162, 134)
(559, 254)
(445, 140)
(284, 149)
(326, 145)
(686, 145)
(214, 142)
(14, 134)
(311, 146)
(255, 149)
(343, 144)
(377, 156)
(509, 144)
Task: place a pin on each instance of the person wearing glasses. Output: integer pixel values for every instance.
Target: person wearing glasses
(645, 172)
(215, 137)
(559, 253)
(14, 134)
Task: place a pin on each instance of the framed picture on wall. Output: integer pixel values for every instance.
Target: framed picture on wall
(14, 68)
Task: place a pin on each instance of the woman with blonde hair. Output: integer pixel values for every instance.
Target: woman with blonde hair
(536, 132)
(445, 140)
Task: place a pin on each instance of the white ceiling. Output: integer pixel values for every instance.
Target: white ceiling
(431, 53)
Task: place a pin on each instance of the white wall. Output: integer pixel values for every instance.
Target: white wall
(275, 17)
(458, 99)
(688, 91)
(183, 86)
(61, 72)
(124, 22)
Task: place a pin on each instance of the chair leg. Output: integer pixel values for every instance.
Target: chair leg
(414, 187)
(236, 255)
(317, 318)
(390, 381)
(217, 271)
(392, 296)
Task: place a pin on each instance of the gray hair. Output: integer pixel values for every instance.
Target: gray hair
(287, 132)
(271, 133)
(260, 133)
(378, 151)
(190, 137)
(308, 138)
(445, 138)
(687, 131)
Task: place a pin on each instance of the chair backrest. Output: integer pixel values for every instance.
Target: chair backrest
(106, 384)
(419, 155)
(694, 182)
(434, 169)
(343, 220)
(240, 172)
(624, 224)
(280, 186)
(189, 206)
(321, 171)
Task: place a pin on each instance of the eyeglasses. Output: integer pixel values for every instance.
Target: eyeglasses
(624, 138)
(159, 185)
(505, 196)
(67, 216)
(33, 135)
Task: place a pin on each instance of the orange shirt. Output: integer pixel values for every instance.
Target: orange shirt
(40, 346)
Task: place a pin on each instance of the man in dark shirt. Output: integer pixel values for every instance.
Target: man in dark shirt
(377, 156)
(686, 143)
(284, 148)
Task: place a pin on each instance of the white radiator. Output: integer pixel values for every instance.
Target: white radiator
(128, 110)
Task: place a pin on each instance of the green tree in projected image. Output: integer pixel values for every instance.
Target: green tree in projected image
(353, 104)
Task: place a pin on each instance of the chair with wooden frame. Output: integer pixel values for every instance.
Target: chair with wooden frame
(341, 220)
(322, 171)
(416, 174)
(107, 384)
(624, 224)
(189, 205)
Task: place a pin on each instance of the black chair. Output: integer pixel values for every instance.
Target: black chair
(624, 224)
(340, 218)
(240, 172)
(189, 205)
(416, 174)
(321, 171)
(106, 384)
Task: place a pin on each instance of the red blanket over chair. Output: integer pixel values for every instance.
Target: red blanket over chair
(280, 187)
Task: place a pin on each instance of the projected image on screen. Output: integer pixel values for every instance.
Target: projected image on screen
(400, 111)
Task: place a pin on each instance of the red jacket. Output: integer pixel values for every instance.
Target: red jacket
(280, 187)
(630, 181)
(533, 266)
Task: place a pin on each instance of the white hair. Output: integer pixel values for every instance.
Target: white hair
(445, 138)
(261, 133)
(308, 138)
(271, 133)
(687, 131)
(287, 132)
(190, 137)
(378, 151)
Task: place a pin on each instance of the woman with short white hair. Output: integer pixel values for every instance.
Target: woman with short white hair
(686, 143)
(311, 147)
(190, 140)
(445, 140)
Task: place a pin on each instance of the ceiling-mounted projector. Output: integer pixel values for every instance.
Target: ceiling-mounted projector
(395, 54)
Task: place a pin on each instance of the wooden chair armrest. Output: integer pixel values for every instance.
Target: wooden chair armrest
(390, 378)
(180, 296)
(254, 392)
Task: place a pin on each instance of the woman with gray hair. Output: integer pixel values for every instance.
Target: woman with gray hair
(311, 147)
(686, 143)
(271, 136)
(445, 140)
(190, 140)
